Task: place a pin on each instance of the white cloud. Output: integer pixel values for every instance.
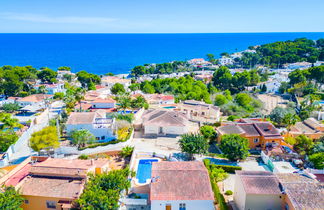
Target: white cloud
(53, 19)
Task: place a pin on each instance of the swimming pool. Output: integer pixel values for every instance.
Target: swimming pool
(169, 107)
(144, 170)
(222, 162)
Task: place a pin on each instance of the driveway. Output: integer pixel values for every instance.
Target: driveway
(161, 145)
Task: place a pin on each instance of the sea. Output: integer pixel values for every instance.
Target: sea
(119, 53)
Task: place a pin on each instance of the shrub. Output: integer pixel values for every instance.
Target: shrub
(83, 157)
(228, 192)
(228, 169)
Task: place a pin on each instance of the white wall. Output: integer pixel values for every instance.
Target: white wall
(173, 130)
(151, 129)
(103, 105)
(266, 202)
(190, 204)
(239, 193)
(97, 132)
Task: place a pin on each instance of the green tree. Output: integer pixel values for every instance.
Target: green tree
(211, 58)
(138, 70)
(220, 100)
(283, 87)
(47, 139)
(10, 107)
(127, 151)
(193, 144)
(10, 199)
(303, 144)
(47, 75)
(148, 88)
(59, 95)
(139, 102)
(217, 174)
(234, 147)
(124, 102)
(7, 138)
(243, 99)
(102, 191)
(222, 78)
(278, 114)
(317, 159)
(64, 68)
(290, 119)
(82, 137)
(208, 132)
(9, 122)
(117, 89)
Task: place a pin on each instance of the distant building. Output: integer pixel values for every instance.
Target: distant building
(96, 122)
(225, 61)
(180, 185)
(259, 133)
(257, 190)
(199, 110)
(110, 81)
(34, 100)
(206, 78)
(198, 61)
(158, 99)
(309, 127)
(107, 103)
(164, 123)
(52, 88)
(298, 65)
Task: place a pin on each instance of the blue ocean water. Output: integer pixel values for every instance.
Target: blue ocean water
(118, 53)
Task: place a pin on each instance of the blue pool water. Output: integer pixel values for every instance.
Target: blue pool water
(144, 170)
(221, 162)
(169, 107)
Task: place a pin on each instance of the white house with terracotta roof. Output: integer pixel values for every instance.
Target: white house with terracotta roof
(109, 81)
(180, 185)
(33, 100)
(100, 103)
(164, 123)
(159, 99)
(96, 122)
(199, 110)
(52, 88)
(257, 190)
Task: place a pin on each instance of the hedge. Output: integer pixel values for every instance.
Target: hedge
(228, 169)
(115, 141)
(218, 196)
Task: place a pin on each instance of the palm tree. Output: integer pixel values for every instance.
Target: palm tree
(79, 95)
(124, 102)
(82, 137)
(290, 119)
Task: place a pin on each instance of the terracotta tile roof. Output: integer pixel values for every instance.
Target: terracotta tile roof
(256, 182)
(101, 100)
(18, 176)
(66, 167)
(35, 98)
(180, 181)
(84, 106)
(81, 118)
(230, 129)
(303, 192)
(52, 187)
(164, 118)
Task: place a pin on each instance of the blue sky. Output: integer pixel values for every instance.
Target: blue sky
(160, 16)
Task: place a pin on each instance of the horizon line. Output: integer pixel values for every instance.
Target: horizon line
(159, 32)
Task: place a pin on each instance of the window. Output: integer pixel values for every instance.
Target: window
(26, 201)
(256, 140)
(51, 204)
(182, 206)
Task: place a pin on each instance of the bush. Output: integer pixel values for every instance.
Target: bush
(228, 192)
(317, 159)
(83, 157)
(228, 169)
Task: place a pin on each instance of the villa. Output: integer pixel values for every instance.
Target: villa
(34, 100)
(180, 185)
(259, 133)
(110, 81)
(257, 190)
(260, 189)
(198, 61)
(48, 183)
(52, 88)
(164, 123)
(199, 111)
(310, 127)
(159, 99)
(225, 61)
(96, 122)
(100, 103)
